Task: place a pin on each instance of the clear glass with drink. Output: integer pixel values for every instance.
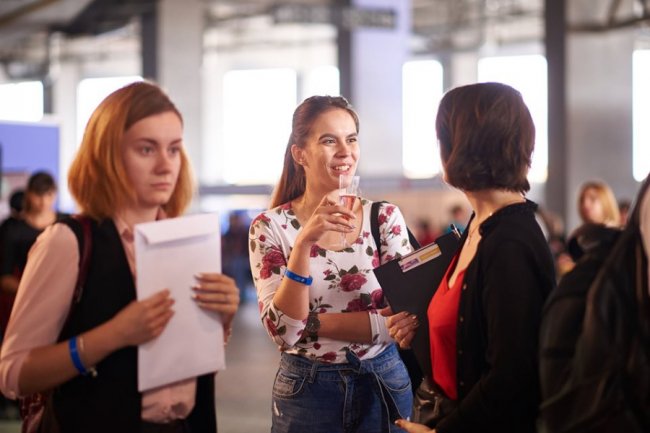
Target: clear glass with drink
(348, 193)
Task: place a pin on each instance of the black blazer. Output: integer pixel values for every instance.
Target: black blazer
(499, 316)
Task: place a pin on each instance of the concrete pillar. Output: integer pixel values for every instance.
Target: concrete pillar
(65, 77)
(180, 56)
(555, 42)
(599, 110)
(149, 43)
(376, 56)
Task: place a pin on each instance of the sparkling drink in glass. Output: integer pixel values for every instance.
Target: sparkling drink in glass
(348, 193)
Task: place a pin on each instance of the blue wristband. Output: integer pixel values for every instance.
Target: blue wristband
(74, 354)
(299, 278)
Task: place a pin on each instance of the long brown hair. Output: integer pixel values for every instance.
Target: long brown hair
(97, 178)
(292, 181)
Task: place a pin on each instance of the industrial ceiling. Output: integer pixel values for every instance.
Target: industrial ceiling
(26, 26)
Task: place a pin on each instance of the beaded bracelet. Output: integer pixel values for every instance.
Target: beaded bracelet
(299, 278)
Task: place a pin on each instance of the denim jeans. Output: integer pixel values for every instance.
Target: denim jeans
(359, 396)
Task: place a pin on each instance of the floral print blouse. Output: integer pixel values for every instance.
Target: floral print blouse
(343, 280)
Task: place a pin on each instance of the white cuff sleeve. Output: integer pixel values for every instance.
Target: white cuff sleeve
(379, 328)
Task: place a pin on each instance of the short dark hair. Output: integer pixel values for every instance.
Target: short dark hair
(17, 200)
(41, 182)
(486, 137)
(292, 181)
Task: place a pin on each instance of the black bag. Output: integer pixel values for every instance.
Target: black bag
(414, 370)
(604, 385)
(430, 405)
(36, 409)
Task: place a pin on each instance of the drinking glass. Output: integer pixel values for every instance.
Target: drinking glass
(348, 192)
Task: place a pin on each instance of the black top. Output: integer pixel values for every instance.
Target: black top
(499, 315)
(565, 308)
(17, 239)
(111, 402)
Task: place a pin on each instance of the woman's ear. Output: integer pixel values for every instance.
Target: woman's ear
(298, 155)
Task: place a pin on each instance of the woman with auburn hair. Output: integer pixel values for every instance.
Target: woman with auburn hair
(319, 300)
(131, 168)
(597, 204)
(485, 315)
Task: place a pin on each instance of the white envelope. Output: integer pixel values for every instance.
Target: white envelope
(168, 253)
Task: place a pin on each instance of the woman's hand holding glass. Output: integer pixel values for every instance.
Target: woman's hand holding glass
(401, 326)
(327, 217)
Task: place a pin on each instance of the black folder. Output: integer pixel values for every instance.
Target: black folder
(411, 289)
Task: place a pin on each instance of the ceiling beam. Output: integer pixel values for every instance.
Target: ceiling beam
(24, 10)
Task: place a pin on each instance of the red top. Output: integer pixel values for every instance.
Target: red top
(443, 324)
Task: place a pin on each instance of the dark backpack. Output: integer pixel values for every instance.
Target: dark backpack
(595, 339)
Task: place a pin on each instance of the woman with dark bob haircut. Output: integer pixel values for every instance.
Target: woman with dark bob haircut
(485, 315)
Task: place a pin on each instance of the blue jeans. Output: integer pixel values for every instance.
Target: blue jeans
(359, 396)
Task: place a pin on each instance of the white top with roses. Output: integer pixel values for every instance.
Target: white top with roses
(343, 280)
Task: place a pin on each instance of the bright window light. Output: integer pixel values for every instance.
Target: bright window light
(323, 80)
(258, 107)
(641, 114)
(92, 91)
(528, 75)
(421, 93)
(21, 101)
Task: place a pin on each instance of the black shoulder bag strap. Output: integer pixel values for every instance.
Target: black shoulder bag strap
(85, 248)
(374, 227)
(407, 355)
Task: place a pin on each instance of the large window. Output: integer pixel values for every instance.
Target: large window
(528, 75)
(641, 114)
(90, 92)
(322, 80)
(257, 109)
(421, 90)
(21, 101)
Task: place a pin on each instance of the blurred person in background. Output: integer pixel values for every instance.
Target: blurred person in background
(459, 217)
(424, 233)
(234, 253)
(37, 213)
(597, 204)
(624, 206)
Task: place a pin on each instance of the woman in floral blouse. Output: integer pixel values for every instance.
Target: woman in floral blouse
(319, 301)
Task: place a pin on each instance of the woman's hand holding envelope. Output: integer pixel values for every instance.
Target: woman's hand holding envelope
(401, 326)
(218, 293)
(142, 321)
